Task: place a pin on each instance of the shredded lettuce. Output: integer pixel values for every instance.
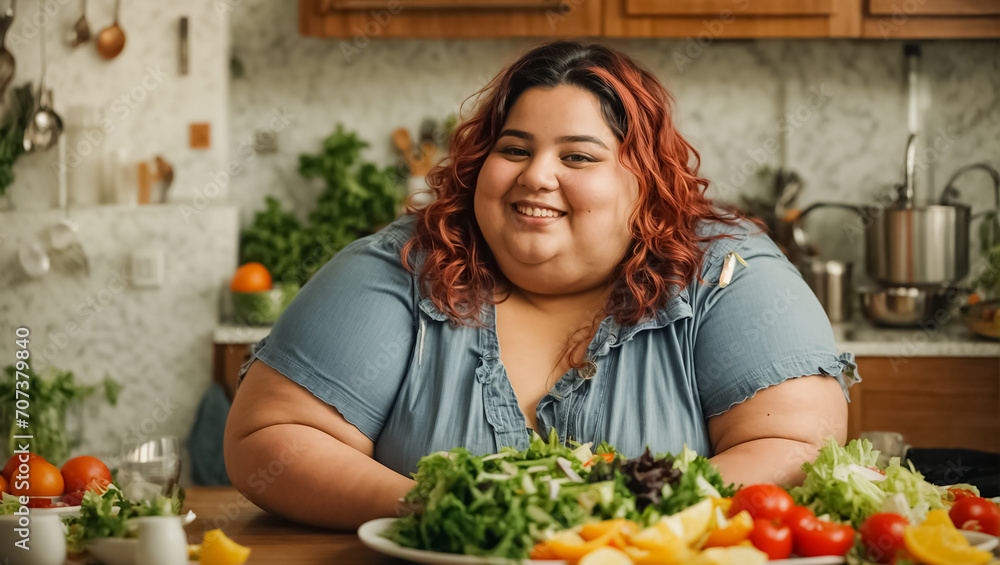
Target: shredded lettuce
(501, 505)
(833, 487)
(9, 505)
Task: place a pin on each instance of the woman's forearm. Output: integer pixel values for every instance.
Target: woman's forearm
(771, 460)
(306, 475)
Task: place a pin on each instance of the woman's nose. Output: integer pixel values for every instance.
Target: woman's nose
(539, 174)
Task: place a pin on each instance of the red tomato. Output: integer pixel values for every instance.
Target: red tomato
(798, 519)
(824, 538)
(976, 513)
(772, 538)
(960, 493)
(78, 472)
(14, 461)
(762, 501)
(882, 536)
(40, 502)
(43, 479)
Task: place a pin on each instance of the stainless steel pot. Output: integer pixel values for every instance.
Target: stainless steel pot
(904, 307)
(920, 246)
(923, 246)
(831, 282)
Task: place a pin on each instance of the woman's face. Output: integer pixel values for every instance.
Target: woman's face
(552, 198)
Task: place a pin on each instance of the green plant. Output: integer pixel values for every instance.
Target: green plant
(988, 280)
(49, 396)
(12, 133)
(358, 198)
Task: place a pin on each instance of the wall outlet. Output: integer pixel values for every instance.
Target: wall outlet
(147, 268)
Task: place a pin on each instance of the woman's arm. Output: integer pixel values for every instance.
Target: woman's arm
(293, 455)
(766, 438)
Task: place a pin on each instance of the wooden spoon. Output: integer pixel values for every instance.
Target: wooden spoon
(111, 40)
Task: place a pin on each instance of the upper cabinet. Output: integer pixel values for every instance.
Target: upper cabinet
(921, 19)
(363, 20)
(711, 19)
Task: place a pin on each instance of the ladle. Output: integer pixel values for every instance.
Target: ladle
(111, 40)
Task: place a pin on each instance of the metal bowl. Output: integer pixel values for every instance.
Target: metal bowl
(908, 307)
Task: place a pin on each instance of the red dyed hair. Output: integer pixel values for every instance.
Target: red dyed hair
(459, 273)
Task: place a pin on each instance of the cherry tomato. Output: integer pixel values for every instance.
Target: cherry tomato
(824, 538)
(78, 472)
(882, 536)
(43, 479)
(976, 513)
(4, 487)
(762, 501)
(960, 493)
(73, 498)
(14, 461)
(798, 519)
(772, 538)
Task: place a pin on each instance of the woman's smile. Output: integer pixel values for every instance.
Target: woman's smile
(535, 214)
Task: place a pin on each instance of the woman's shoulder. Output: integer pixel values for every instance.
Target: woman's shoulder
(743, 236)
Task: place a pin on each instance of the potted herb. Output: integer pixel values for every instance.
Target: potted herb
(52, 394)
(358, 198)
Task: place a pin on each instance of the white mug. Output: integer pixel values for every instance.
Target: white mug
(161, 541)
(45, 542)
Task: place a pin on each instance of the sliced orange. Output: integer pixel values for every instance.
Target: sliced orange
(942, 545)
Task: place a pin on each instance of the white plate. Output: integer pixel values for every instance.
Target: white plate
(371, 535)
(61, 510)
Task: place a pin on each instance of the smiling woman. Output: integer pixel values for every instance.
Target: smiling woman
(566, 278)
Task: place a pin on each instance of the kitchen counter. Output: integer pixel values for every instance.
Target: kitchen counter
(952, 340)
(859, 337)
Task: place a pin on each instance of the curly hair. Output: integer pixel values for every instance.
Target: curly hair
(457, 270)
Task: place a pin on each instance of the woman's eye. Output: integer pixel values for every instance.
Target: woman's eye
(514, 151)
(577, 158)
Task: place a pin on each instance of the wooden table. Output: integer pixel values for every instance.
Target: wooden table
(272, 539)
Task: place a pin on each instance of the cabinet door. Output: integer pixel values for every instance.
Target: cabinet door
(364, 20)
(932, 401)
(886, 19)
(711, 19)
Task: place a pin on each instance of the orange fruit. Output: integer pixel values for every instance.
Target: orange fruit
(252, 277)
(44, 479)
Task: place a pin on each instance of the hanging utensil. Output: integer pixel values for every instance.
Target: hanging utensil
(45, 126)
(111, 40)
(80, 33)
(62, 236)
(7, 65)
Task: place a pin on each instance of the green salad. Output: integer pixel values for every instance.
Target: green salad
(99, 518)
(502, 504)
(845, 483)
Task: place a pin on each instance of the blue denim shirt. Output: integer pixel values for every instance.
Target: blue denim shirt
(362, 338)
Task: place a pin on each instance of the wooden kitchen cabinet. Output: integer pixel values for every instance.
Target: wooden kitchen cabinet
(716, 19)
(932, 401)
(926, 19)
(227, 358)
(360, 21)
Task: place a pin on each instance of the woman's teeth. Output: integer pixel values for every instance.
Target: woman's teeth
(539, 212)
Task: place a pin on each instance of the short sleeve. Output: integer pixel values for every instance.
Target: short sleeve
(348, 336)
(765, 327)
